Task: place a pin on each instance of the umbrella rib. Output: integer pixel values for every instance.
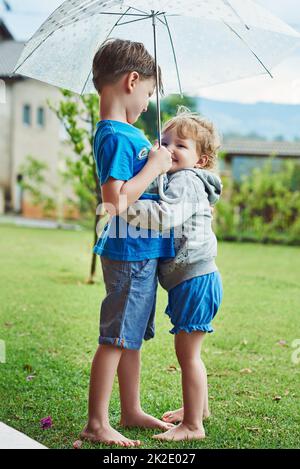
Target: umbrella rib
(145, 14)
(61, 26)
(29, 55)
(103, 13)
(227, 2)
(116, 24)
(140, 11)
(252, 51)
(133, 21)
(118, 14)
(174, 54)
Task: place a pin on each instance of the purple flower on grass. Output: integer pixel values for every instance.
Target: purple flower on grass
(46, 423)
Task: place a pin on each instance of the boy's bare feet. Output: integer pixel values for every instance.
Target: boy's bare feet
(182, 432)
(107, 436)
(175, 416)
(141, 419)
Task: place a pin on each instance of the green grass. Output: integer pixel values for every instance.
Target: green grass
(49, 321)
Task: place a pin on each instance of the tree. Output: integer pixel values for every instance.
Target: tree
(34, 180)
(169, 107)
(170, 104)
(79, 116)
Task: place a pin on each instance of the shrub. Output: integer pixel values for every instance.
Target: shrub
(264, 207)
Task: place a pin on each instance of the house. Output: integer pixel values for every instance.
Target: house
(27, 127)
(242, 156)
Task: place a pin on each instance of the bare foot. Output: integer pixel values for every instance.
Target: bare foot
(141, 419)
(107, 436)
(182, 432)
(175, 416)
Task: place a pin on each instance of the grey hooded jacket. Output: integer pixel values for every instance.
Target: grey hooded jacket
(191, 218)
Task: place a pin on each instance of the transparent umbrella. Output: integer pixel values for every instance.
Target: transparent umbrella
(197, 43)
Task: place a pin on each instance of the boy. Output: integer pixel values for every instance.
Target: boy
(124, 76)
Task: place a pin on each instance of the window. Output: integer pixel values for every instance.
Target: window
(41, 117)
(27, 114)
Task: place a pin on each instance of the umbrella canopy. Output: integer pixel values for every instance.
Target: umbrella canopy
(200, 42)
(197, 43)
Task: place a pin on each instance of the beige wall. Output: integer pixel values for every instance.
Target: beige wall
(18, 140)
(44, 143)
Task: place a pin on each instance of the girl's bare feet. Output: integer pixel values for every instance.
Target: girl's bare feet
(175, 416)
(107, 436)
(182, 432)
(141, 419)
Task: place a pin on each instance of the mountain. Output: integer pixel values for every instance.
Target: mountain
(269, 120)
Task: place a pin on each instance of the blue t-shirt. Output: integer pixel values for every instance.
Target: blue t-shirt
(121, 150)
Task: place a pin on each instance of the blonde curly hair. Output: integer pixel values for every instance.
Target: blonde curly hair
(192, 125)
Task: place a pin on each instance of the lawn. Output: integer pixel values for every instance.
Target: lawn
(49, 322)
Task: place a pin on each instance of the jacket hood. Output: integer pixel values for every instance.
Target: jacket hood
(212, 183)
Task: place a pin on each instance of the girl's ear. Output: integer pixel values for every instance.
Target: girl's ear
(132, 80)
(203, 160)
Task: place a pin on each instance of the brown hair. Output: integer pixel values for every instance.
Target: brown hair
(117, 57)
(191, 125)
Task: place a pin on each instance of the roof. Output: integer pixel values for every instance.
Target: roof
(4, 32)
(10, 52)
(261, 148)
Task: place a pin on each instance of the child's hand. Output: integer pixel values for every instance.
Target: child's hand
(161, 158)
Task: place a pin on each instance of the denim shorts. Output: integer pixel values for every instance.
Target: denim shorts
(128, 310)
(194, 303)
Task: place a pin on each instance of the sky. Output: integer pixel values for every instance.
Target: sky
(27, 16)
